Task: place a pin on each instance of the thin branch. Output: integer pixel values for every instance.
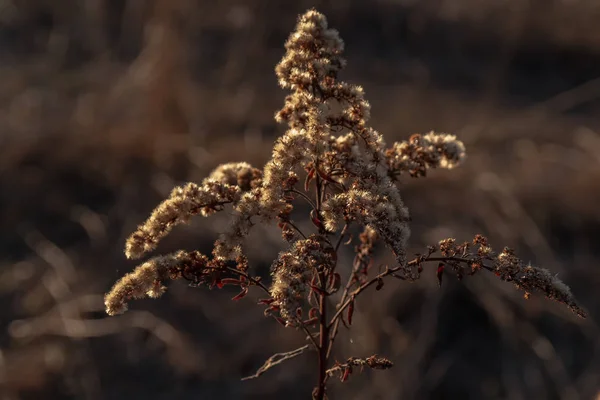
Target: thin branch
(342, 234)
(275, 360)
(304, 196)
(310, 336)
(355, 267)
(289, 222)
(392, 272)
(446, 259)
(255, 282)
(361, 288)
(318, 189)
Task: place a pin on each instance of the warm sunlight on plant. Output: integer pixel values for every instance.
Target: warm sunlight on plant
(331, 162)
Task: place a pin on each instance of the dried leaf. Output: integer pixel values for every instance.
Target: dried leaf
(440, 273)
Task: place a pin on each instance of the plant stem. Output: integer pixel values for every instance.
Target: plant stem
(323, 341)
(355, 267)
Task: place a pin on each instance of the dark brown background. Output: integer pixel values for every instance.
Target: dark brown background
(105, 105)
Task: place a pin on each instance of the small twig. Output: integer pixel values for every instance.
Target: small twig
(310, 336)
(254, 281)
(342, 234)
(290, 223)
(276, 359)
(355, 268)
(304, 196)
(360, 289)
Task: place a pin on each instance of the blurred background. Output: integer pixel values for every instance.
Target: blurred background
(105, 105)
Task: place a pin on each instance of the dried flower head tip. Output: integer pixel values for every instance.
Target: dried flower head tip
(507, 266)
(422, 152)
(528, 278)
(241, 174)
(313, 53)
(184, 202)
(147, 279)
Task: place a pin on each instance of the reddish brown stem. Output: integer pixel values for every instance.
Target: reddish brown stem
(323, 342)
(392, 272)
(254, 281)
(355, 268)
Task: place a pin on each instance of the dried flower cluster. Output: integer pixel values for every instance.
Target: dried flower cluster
(375, 211)
(294, 274)
(349, 180)
(528, 278)
(148, 279)
(468, 258)
(224, 185)
(145, 280)
(345, 369)
(422, 152)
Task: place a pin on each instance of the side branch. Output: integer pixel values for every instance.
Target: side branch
(393, 272)
(275, 360)
(255, 281)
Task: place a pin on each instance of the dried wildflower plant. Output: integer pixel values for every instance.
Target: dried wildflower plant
(349, 179)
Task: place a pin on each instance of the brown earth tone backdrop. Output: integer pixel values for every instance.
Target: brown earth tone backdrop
(106, 105)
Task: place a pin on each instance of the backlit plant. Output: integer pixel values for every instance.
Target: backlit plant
(331, 160)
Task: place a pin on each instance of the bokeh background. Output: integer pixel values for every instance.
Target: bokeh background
(105, 105)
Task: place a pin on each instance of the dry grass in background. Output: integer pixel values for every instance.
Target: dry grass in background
(106, 105)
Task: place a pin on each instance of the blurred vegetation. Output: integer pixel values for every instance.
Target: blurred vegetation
(107, 104)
